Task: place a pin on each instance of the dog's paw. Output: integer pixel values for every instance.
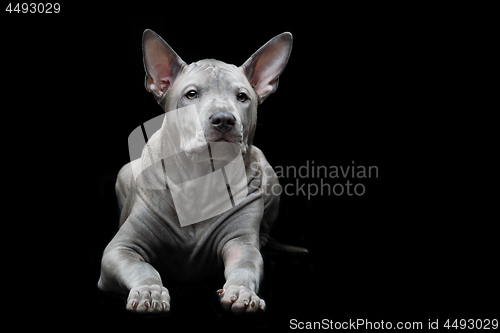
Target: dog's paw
(239, 299)
(149, 299)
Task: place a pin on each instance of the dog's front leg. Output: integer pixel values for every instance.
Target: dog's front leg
(125, 271)
(243, 272)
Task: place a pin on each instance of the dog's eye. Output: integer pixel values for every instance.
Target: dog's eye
(241, 97)
(191, 94)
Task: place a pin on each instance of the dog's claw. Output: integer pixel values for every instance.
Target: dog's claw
(148, 299)
(220, 291)
(240, 299)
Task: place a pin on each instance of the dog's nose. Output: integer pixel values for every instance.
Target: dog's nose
(223, 120)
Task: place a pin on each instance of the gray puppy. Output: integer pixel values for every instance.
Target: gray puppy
(151, 243)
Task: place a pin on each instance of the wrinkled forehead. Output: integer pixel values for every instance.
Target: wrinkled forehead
(207, 71)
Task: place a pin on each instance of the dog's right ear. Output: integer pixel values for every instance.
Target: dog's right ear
(161, 63)
(265, 66)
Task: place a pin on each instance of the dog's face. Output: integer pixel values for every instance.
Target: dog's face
(225, 101)
(226, 96)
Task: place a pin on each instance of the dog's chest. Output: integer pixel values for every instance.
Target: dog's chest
(191, 253)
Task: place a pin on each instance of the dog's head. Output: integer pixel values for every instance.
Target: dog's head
(226, 96)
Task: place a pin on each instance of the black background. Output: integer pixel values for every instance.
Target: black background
(356, 88)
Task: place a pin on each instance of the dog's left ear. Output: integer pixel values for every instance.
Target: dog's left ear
(265, 66)
(161, 63)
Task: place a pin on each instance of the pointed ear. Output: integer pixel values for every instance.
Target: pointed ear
(265, 66)
(161, 63)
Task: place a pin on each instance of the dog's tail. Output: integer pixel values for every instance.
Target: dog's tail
(273, 245)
